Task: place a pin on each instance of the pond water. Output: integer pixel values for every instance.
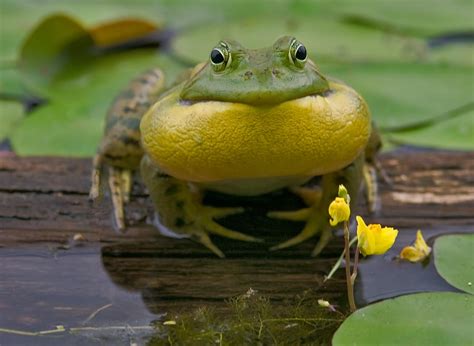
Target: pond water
(43, 288)
(114, 293)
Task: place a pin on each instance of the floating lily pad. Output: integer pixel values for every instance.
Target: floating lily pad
(379, 48)
(422, 17)
(437, 318)
(453, 260)
(11, 114)
(71, 124)
(456, 133)
(79, 77)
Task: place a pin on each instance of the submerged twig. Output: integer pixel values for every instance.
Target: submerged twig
(91, 316)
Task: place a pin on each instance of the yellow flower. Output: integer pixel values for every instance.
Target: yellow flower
(374, 239)
(339, 211)
(418, 252)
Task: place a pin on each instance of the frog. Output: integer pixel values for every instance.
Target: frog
(246, 122)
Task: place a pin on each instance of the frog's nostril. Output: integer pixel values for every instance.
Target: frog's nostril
(277, 73)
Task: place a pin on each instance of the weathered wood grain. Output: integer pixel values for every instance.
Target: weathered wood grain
(43, 204)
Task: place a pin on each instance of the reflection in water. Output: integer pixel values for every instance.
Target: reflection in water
(42, 288)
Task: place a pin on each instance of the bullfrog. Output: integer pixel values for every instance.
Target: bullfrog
(246, 122)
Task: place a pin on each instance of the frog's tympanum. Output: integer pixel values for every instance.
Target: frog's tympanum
(246, 122)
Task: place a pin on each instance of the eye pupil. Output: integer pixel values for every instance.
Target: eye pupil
(216, 56)
(300, 53)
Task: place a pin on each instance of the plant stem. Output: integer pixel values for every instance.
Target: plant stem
(354, 269)
(350, 287)
(339, 261)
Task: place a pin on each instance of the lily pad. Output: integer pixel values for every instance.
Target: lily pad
(379, 48)
(435, 318)
(11, 113)
(453, 260)
(79, 76)
(71, 124)
(456, 133)
(404, 94)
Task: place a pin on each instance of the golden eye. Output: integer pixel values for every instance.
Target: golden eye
(297, 53)
(220, 57)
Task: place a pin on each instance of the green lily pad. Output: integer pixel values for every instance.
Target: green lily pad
(71, 124)
(58, 40)
(453, 260)
(11, 114)
(69, 65)
(425, 17)
(389, 63)
(435, 318)
(456, 133)
(330, 40)
(400, 94)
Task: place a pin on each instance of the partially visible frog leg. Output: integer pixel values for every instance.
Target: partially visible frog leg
(120, 149)
(117, 193)
(179, 209)
(316, 215)
(95, 177)
(371, 187)
(126, 184)
(372, 170)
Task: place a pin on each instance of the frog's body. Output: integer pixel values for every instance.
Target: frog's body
(248, 122)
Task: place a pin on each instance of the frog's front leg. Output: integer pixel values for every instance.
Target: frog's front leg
(316, 215)
(120, 149)
(179, 209)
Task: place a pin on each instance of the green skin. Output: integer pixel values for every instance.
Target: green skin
(245, 76)
(249, 77)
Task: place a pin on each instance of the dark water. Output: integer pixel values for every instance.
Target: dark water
(104, 295)
(42, 288)
(385, 276)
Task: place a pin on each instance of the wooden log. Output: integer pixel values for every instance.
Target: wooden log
(43, 204)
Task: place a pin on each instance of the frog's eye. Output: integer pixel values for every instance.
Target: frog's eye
(297, 53)
(220, 57)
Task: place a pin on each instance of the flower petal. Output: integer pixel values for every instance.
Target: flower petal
(421, 245)
(385, 237)
(339, 211)
(418, 252)
(373, 239)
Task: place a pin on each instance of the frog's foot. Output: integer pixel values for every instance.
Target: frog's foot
(315, 222)
(203, 225)
(94, 191)
(371, 172)
(120, 185)
(116, 191)
(206, 225)
(120, 182)
(371, 187)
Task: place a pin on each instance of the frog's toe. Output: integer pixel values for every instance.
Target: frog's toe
(116, 190)
(94, 191)
(293, 215)
(221, 212)
(326, 236)
(204, 239)
(213, 227)
(310, 230)
(126, 184)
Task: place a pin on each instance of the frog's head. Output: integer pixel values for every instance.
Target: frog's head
(255, 114)
(262, 76)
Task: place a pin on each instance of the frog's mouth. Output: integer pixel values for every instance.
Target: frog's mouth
(253, 94)
(261, 84)
(223, 141)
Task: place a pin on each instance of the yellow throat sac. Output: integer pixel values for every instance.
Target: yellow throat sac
(217, 141)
